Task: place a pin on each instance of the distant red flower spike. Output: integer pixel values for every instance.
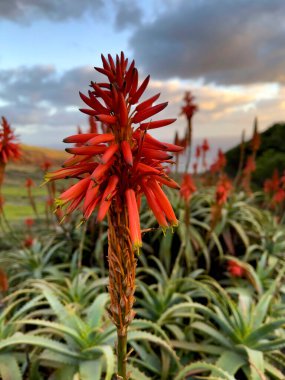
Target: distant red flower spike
(29, 222)
(81, 138)
(250, 166)
(189, 107)
(4, 284)
(235, 269)
(100, 138)
(279, 196)
(147, 103)
(127, 152)
(29, 183)
(157, 124)
(205, 146)
(134, 219)
(223, 189)
(198, 151)
(46, 165)
(109, 153)
(28, 242)
(93, 125)
(87, 150)
(9, 149)
(219, 163)
(188, 187)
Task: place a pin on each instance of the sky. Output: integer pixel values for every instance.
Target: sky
(229, 53)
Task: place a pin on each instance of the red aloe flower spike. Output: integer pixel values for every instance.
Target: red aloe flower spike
(144, 114)
(164, 203)
(101, 138)
(127, 152)
(107, 197)
(110, 152)
(82, 138)
(147, 103)
(134, 219)
(136, 96)
(87, 150)
(154, 205)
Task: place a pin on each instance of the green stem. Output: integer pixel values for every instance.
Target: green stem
(122, 355)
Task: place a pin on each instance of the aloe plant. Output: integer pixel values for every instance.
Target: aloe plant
(244, 334)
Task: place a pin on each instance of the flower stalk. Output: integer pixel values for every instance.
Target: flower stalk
(113, 170)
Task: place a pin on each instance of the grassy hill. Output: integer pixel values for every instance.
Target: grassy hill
(270, 155)
(15, 193)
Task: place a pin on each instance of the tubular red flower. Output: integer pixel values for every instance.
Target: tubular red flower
(134, 219)
(9, 149)
(127, 152)
(107, 197)
(154, 205)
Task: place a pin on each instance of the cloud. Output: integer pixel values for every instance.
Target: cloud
(225, 41)
(43, 103)
(26, 11)
(128, 14)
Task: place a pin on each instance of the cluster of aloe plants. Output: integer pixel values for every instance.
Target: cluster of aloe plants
(193, 316)
(82, 300)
